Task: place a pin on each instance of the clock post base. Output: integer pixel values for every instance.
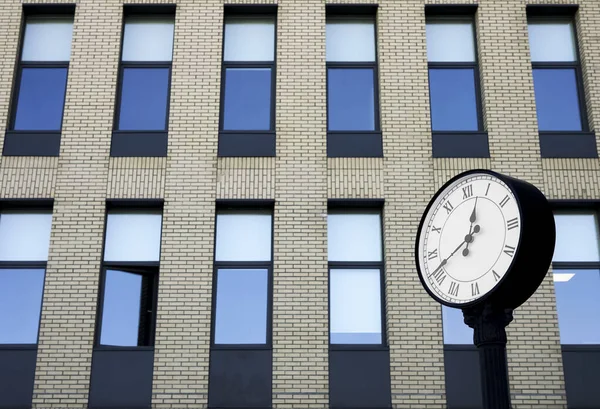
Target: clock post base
(489, 334)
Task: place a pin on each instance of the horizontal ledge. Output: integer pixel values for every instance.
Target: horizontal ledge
(105, 348)
(139, 144)
(455, 144)
(19, 347)
(580, 347)
(355, 347)
(244, 144)
(32, 143)
(354, 144)
(241, 347)
(568, 144)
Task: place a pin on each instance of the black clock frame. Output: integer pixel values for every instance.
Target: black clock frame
(533, 253)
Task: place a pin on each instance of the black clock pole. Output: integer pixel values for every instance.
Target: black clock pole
(489, 323)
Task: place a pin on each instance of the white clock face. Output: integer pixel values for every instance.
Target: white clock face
(468, 238)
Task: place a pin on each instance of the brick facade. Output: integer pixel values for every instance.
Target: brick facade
(300, 179)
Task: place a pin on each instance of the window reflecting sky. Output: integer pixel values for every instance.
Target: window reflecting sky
(455, 329)
(144, 99)
(121, 309)
(351, 99)
(247, 102)
(556, 99)
(241, 310)
(453, 99)
(20, 305)
(41, 99)
(578, 305)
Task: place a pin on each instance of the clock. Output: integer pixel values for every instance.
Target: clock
(485, 236)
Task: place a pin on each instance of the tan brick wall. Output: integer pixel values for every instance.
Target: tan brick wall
(300, 179)
(184, 303)
(70, 295)
(300, 309)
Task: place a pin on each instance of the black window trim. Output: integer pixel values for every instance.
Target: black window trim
(248, 143)
(244, 206)
(565, 144)
(142, 142)
(577, 206)
(27, 205)
(359, 206)
(144, 268)
(35, 142)
(459, 143)
(355, 143)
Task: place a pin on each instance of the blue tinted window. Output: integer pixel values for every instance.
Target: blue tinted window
(41, 99)
(578, 305)
(241, 310)
(121, 309)
(144, 98)
(20, 305)
(453, 99)
(247, 105)
(455, 329)
(351, 99)
(557, 100)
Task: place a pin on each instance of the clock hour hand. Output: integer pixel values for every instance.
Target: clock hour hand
(469, 237)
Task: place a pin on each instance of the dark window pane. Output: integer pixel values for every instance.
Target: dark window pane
(247, 102)
(241, 310)
(578, 305)
(351, 99)
(453, 99)
(144, 99)
(20, 305)
(121, 309)
(557, 100)
(41, 99)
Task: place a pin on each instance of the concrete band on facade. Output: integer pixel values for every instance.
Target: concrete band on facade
(300, 179)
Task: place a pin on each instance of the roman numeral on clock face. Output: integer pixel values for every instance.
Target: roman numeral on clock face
(454, 288)
(504, 201)
(432, 254)
(474, 289)
(448, 206)
(440, 276)
(436, 229)
(467, 191)
(512, 223)
(496, 276)
(509, 250)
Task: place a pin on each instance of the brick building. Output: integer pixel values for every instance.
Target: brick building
(214, 204)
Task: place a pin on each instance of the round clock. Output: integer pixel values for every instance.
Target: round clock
(485, 236)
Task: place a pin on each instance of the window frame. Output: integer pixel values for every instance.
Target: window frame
(143, 268)
(141, 143)
(350, 143)
(577, 206)
(458, 143)
(25, 206)
(248, 143)
(564, 144)
(244, 206)
(35, 142)
(357, 206)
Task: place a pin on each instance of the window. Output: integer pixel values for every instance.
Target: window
(355, 277)
(129, 278)
(41, 85)
(24, 243)
(558, 88)
(455, 99)
(454, 327)
(352, 91)
(141, 120)
(248, 91)
(576, 270)
(243, 268)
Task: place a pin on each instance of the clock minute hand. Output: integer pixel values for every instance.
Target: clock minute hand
(444, 261)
